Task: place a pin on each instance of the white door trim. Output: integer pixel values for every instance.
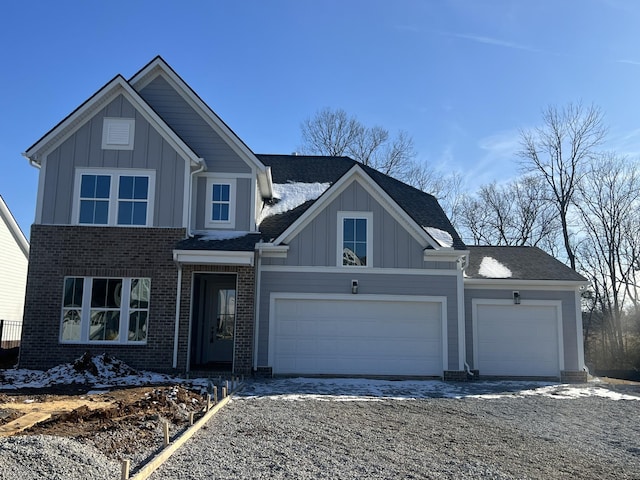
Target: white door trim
(442, 300)
(543, 303)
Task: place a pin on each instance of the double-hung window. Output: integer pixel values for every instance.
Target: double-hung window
(113, 310)
(355, 239)
(123, 198)
(220, 207)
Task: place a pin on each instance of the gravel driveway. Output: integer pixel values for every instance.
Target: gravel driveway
(559, 432)
(307, 429)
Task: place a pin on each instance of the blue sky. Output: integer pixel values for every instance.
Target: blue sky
(462, 77)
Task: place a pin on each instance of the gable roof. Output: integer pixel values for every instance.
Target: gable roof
(7, 218)
(524, 263)
(158, 66)
(118, 85)
(421, 207)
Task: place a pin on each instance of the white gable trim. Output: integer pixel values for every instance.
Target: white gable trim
(13, 227)
(158, 67)
(111, 90)
(501, 284)
(357, 174)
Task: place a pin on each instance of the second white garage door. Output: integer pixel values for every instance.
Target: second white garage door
(365, 335)
(517, 340)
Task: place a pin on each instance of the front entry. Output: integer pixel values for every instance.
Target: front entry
(213, 321)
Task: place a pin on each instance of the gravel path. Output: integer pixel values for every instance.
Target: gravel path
(435, 438)
(303, 429)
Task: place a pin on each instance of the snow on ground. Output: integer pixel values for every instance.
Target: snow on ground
(443, 238)
(492, 268)
(363, 389)
(104, 372)
(292, 195)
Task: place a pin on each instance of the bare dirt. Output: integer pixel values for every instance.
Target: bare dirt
(120, 423)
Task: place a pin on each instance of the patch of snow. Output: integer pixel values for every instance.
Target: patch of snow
(491, 268)
(291, 195)
(222, 235)
(443, 238)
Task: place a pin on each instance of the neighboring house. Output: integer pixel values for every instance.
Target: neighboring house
(14, 258)
(162, 239)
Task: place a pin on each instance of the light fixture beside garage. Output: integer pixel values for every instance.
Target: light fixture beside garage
(516, 298)
(354, 286)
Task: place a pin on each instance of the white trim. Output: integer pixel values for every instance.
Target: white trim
(111, 90)
(213, 257)
(148, 74)
(497, 302)
(372, 270)
(506, 284)
(462, 340)
(268, 250)
(579, 332)
(341, 216)
(115, 175)
(176, 331)
(219, 180)
(442, 300)
(443, 255)
(256, 311)
(42, 175)
(357, 174)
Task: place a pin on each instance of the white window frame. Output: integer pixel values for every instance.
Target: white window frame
(368, 216)
(85, 313)
(231, 223)
(113, 194)
(128, 124)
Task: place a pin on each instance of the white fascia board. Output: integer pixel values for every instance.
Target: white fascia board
(270, 250)
(506, 283)
(159, 67)
(444, 254)
(357, 174)
(115, 87)
(265, 183)
(213, 257)
(14, 228)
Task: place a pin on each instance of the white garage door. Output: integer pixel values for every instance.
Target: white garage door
(517, 340)
(356, 336)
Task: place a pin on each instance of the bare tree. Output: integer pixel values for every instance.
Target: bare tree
(335, 133)
(609, 197)
(511, 214)
(559, 152)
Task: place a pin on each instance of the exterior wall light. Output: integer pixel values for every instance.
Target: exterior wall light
(354, 286)
(516, 298)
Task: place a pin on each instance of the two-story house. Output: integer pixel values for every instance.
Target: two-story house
(162, 239)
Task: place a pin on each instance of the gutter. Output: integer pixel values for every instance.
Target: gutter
(192, 175)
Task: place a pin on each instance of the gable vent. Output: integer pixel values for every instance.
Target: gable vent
(118, 133)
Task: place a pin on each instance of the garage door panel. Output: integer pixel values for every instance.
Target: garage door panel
(361, 337)
(517, 340)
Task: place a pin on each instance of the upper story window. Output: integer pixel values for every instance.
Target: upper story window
(221, 199)
(118, 133)
(355, 239)
(114, 198)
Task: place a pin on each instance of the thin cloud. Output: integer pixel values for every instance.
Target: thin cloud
(493, 41)
(628, 62)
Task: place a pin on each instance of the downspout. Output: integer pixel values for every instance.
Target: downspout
(193, 174)
(176, 332)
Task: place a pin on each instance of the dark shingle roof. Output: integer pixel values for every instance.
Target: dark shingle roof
(245, 243)
(421, 206)
(525, 263)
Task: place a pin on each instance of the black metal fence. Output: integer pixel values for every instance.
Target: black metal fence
(10, 334)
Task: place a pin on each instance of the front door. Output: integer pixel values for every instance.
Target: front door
(214, 321)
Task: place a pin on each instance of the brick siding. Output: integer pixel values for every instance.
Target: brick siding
(60, 251)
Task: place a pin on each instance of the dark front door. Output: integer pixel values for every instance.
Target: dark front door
(213, 321)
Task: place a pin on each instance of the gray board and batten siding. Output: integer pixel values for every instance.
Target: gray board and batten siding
(83, 149)
(569, 333)
(192, 128)
(316, 244)
(369, 284)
